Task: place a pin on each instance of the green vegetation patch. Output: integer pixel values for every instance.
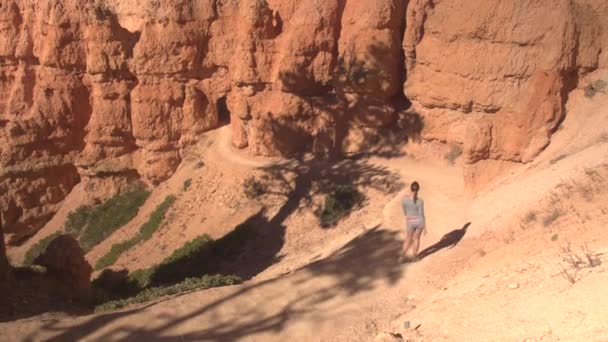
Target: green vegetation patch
(552, 216)
(196, 265)
(454, 153)
(93, 224)
(187, 184)
(595, 87)
(203, 255)
(145, 233)
(338, 204)
(39, 248)
(189, 284)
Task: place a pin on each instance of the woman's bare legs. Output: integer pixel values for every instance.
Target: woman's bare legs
(416, 241)
(408, 241)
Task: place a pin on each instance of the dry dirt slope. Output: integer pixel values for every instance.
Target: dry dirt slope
(502, 282)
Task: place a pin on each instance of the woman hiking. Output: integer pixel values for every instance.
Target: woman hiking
(413, 209)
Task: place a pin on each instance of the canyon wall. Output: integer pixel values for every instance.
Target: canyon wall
(494, 76)
(103, 92)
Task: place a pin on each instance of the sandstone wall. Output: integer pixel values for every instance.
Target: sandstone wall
(103, 91)
(494, 75)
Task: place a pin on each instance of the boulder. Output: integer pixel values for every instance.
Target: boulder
(64, 259)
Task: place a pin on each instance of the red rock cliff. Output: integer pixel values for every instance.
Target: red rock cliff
(99, 92)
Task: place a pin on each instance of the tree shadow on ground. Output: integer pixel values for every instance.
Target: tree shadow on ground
(361, 108)
(354, 268)
(254, 245)
(449, 240)
(361, 264)
(362, 261)
(358, 265)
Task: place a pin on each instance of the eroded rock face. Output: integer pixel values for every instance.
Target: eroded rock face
(494, 76)
(64, 258)
(101, 92)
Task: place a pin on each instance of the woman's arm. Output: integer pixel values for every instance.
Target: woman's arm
(423, 217)
(422, 209)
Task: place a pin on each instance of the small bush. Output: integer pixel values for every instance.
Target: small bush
(530, 217)
(593, 88)
(145, 233)
(187, 184)
(189, 284)
(552, 216)
(186, 261)
(202, 255)
(253, 188)
(338, 204)
(92, 225)
(454, 153)
(574, 262)
(39, 248)
(186, 269)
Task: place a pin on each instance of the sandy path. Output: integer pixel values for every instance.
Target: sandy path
(225, 152)
(345, 296)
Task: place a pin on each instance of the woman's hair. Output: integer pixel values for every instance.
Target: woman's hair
(415, 187)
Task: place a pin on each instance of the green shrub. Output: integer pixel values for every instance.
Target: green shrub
(454, 153)
(142, 278)
(145, 233)
(203, 255)
(187, 184)
(115, 252)
(77, 219)
(186, 261)
(200, 256)
(338, 204)
(189, 284)
(186, 269)
(39, 248)
(593, 88)
(552, 216)
(93, 224)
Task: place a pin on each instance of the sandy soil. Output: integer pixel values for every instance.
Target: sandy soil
(500, 279)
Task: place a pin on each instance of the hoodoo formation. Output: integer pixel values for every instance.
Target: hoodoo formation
(104, 92)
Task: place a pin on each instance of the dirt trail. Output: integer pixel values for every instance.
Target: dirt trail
(353, 286)
(349, 286)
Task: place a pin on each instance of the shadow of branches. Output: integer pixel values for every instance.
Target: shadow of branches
(363, 108)
(383, 123)
(254, 308)
(298, 182)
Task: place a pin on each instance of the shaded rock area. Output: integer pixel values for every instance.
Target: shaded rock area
(103, 92)
(64, 259)
(5, 269)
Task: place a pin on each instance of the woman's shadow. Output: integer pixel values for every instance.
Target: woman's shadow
(450, 240)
